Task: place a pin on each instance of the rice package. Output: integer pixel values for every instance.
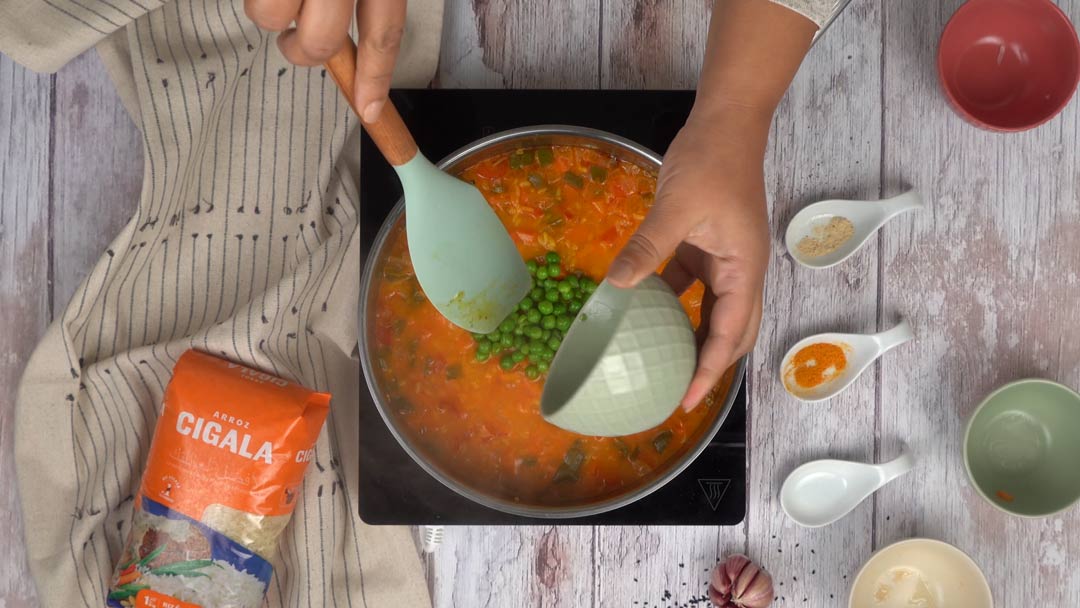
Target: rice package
(224, 472)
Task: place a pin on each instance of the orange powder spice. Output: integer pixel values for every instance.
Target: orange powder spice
(817, 363)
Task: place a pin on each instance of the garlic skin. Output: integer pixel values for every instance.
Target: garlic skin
(738, 582)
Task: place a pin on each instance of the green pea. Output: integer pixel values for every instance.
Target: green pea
(534, 332)
(554, 270)
(546, 335)
(525, 304)
(533, 316)
(546, 307)
(507, 362)
(531, 265)
(552, 257)
(536, 294)
(494, 337)
(566, 296)
(563, 322)
(519, 330)
(537, 355)
(542, 273)
(507, 339)
(525, 348)
(542, 366)
(532, 372)
(519, 339)
(559, 308)
(574, 305)
(552, 295)
(554, 343)
(587, 285)
(551, 284)
(564, 287)
(483, 347)
(517, 356)
(482, 355)
(478, 337)
(548, 322)
(574, 281)
(507, 325)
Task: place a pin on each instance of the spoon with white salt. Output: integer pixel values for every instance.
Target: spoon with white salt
(826, 233)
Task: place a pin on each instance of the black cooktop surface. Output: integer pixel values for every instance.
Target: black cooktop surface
(393, 488)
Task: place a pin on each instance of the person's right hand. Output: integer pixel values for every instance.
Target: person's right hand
(320, 30)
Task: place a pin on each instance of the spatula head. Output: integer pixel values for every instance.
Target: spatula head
(465, 260)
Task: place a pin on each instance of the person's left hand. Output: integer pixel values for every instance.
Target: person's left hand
(710, 211)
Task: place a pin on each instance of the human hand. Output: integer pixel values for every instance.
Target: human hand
(321, 29)
(709, 211)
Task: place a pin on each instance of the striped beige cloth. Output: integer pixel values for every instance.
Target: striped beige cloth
(245, 244)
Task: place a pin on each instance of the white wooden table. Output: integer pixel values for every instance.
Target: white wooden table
(989, 275)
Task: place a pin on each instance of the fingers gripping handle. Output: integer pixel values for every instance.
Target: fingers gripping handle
(388, 132)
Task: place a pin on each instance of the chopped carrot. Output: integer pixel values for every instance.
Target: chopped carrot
(128, 577)
(1003, 495)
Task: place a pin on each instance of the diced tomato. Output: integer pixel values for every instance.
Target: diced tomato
(623, 184)
(493, 169)
(609, 235)
(524, 236)
(384, 334)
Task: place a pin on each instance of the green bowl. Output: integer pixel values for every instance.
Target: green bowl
(1022, 448)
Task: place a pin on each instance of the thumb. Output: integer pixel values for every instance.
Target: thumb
(655, 240)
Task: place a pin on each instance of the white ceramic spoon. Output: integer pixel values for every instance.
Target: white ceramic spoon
(866, 217)
(861, 350)
(822, 491)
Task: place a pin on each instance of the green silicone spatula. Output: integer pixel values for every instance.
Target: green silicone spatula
(464, 258)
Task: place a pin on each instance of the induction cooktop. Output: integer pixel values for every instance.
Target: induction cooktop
(393, 488)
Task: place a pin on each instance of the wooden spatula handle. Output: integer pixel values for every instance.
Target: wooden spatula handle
(388, 132)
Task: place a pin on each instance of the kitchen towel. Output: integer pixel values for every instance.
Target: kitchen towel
(244, 244)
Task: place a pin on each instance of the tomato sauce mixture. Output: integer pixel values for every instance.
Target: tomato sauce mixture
(482, 424)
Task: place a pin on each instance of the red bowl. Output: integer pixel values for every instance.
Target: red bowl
(1009, 65)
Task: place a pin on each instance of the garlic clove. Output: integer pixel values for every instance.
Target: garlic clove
(738, 582)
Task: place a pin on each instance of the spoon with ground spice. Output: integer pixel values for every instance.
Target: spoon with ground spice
(828, 232)
(821, 366)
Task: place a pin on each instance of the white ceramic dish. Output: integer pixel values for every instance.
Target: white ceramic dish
(822, 491)
(866, 216)
(625, 363)
(861, 350)
(920, 573)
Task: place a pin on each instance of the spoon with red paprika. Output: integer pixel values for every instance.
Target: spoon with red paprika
(819, 367)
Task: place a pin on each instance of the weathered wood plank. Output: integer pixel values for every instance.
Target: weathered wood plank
(520, 45)
(495, 566)
(503, 44)
(656, 45)
(98, 171)
(653, 45)
(24, 285)
(988, 274)
(825, 143)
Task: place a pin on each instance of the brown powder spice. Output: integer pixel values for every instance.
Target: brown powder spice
(827, 238)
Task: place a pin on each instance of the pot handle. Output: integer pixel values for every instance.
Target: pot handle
(389, 132)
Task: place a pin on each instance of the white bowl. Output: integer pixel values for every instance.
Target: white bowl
(920, 572)
(625, 363)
